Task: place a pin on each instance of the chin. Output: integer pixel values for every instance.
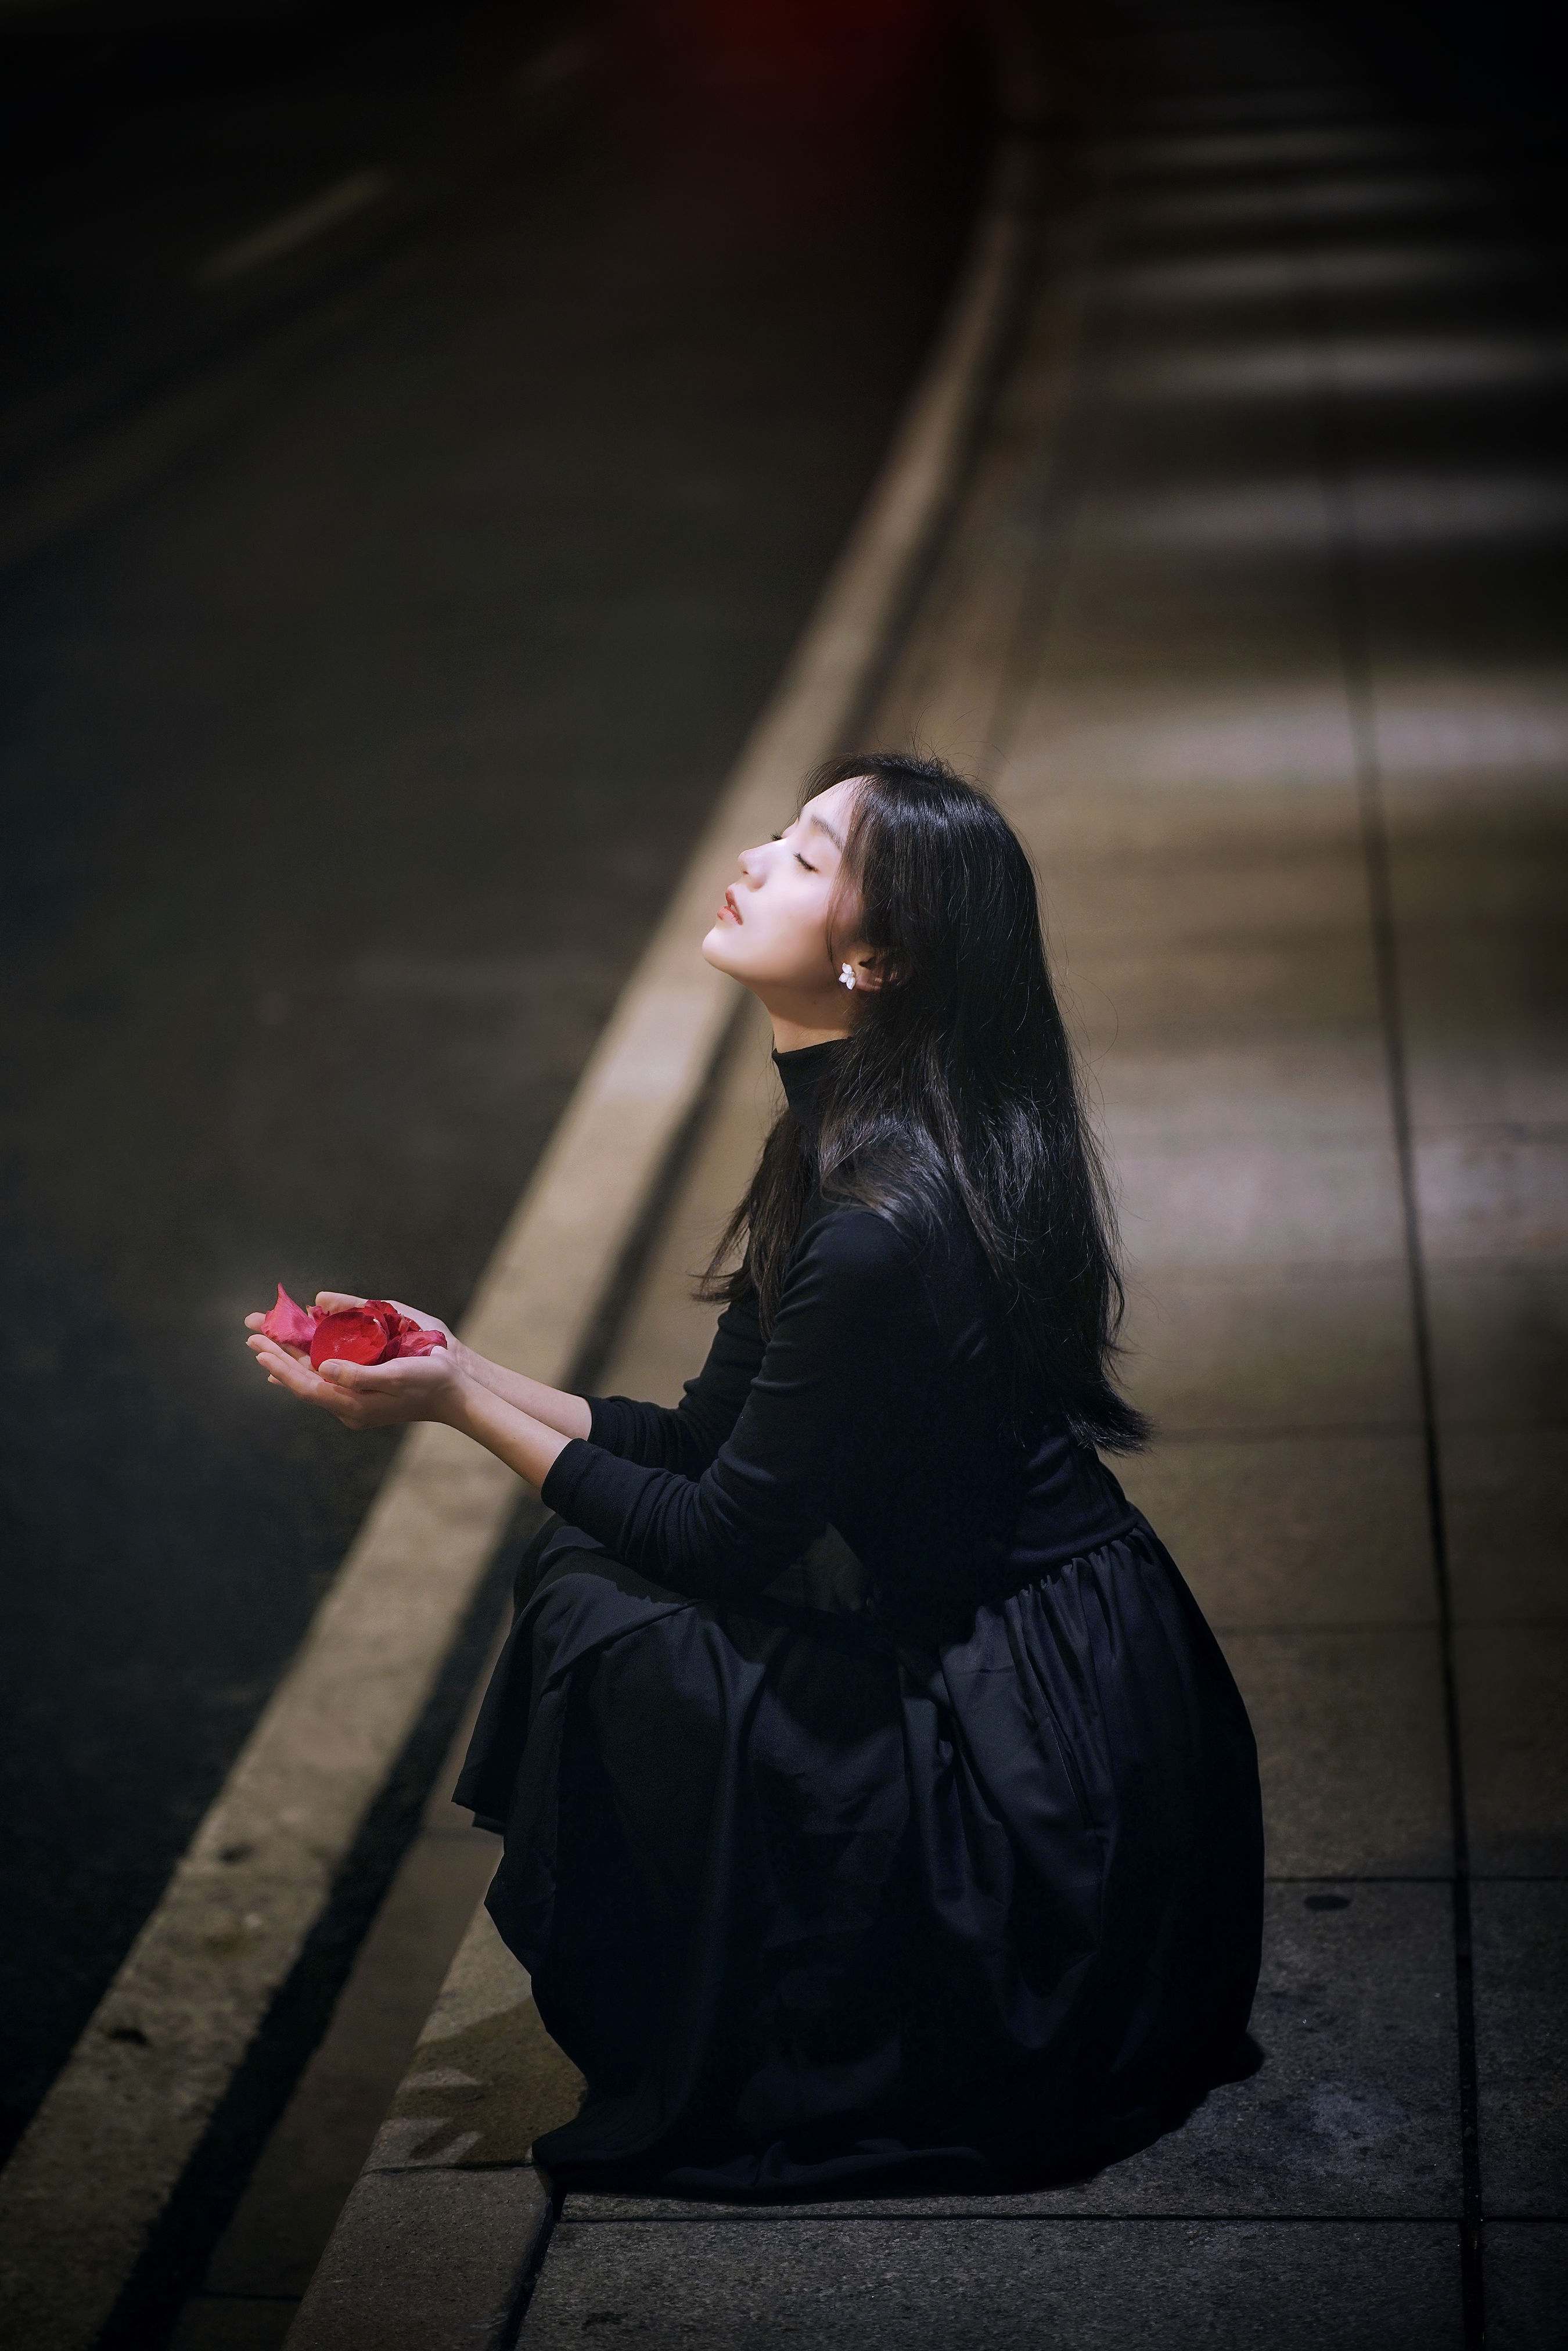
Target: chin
(716, 950)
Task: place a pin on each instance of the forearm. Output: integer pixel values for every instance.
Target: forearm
(715, 1537)
(552, 1407)
(524, 1441)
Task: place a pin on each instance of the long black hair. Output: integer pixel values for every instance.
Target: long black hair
(957, 1086)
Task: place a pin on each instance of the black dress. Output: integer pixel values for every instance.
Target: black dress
(876, 1801)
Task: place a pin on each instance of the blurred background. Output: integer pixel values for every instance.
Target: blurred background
(424, 432)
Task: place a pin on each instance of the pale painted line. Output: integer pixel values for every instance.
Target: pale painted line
(338, 203)
(88, 2181)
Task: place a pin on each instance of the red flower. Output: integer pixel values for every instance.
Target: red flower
(374, 1333)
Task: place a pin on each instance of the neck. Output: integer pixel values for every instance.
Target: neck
(789, 1036)
(802, 1017)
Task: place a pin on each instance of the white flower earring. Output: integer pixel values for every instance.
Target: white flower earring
(846, 977)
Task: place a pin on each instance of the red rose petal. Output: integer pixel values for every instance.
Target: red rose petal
(374, 1333)
(404, 1335)
(416, 1341)
(355, 1334)
(292, 1325)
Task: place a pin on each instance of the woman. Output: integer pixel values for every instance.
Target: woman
(877, 1803)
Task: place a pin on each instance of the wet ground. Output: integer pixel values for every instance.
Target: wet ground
(421, 438)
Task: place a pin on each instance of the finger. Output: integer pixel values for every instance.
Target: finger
(404, 1371)
(258, 1322)
(292, 1372)
(285, 1372)
(299, 1354)
(346, 1379)
(333, 1302)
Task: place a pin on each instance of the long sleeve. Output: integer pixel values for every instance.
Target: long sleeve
(686, 1437)
(853, 1340)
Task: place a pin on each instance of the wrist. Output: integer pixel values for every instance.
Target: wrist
(461, 1392)
(482, 1377)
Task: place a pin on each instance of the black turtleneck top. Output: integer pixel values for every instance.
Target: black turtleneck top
(876, 1405)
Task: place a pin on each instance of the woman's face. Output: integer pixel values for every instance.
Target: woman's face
(772, 931)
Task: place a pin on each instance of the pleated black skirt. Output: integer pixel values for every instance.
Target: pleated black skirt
(812, 1901)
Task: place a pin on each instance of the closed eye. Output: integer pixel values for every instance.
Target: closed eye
(799, 859)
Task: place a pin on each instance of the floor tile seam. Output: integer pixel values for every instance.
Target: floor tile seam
(1383, 154)
(1274, 1432)
(1381, 126)
(1361, 1877)
(1149, 1131)
(1508, 1262)
(1506, 1130)
(1177, 1141)
(1333, 459)
(1460, 1424)
(1342, 1267)
(1268, 1117)
(1149, 1277)
(1337, 1628)
(1549, 1623)
(1519, 1877)
(784, 2217)
(1177, 253)
(1263, 179)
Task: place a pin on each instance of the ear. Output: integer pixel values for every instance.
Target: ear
(869, 966)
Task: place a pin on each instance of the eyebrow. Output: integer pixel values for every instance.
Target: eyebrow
(822, 826)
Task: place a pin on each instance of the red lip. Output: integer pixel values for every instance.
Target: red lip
(734, 910)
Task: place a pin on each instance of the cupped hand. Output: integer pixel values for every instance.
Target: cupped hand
(364, 1395)
(332, 1302)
